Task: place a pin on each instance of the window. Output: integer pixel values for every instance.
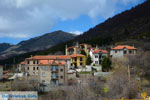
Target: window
(61, 70)
(124, 52)
(75, 59)
(81, 59)
(115, 51)
(33, 68)
(82, 47)
(96, 56)
(37, 62)
(103, 57)
(80, 64)
(61, 77)
(96, 62)
(54, 68)
(43, 81)
(28, 68)
(37, 68)
(43, 74)
(33, 62)
(130, 52)
(43, 67)
(28, 62)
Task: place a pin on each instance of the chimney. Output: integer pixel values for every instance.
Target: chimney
(133, 45)
(55, 58)
(77, 44)
(31, 56)
(97, 47)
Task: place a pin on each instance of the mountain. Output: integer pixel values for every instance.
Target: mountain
(4, 46)
(129, 25)
(38, 43)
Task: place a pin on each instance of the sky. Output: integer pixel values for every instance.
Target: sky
(25, 19)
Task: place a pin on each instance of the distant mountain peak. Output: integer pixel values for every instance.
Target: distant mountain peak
(38, 43)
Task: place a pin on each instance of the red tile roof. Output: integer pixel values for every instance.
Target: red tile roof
(6, 71)
(71, 47)
(50, 57)
(77, 55)
(4, 77)
(119, 47)
(22, 63)
(97, 51)
(50, 62)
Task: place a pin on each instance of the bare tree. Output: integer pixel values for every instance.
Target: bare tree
(120, 85)
(24, 85)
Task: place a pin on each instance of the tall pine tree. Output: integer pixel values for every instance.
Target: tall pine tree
(88, 60)
(106, 64)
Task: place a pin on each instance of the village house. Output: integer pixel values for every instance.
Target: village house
(122, 50)
(52, 72)
(98, 55)
(31, 65)
(77, 49)
(21, 67)
(78, 60)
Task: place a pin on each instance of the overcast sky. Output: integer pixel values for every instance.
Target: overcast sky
(23, 19)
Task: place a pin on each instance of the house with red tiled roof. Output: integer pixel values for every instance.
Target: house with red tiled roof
(48, 70)
(78, 60)
(98, 55)
(21, 66)
(122, 50)
(31, 64)
(52, 72)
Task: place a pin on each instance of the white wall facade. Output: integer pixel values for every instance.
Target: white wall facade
(121, 53)
(95, 59)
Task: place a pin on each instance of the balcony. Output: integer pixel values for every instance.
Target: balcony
(54, 76)
(53, 69)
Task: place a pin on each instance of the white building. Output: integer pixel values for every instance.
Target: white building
(122, 50)
(98, 56)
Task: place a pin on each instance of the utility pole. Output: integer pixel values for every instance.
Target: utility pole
(14, 64)
(129, 77)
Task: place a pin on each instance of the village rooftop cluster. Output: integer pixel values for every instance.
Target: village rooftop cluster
(57, 70)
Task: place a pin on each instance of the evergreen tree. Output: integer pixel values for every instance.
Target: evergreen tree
(88, 60)
(106, 64)
(83, 52)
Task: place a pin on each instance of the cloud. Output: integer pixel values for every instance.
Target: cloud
(76, 32)
(24, 18)
(14, 35)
